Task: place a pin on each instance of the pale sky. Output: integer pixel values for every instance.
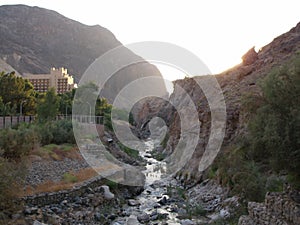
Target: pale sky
(219, 32)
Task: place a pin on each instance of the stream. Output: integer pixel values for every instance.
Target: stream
(153, 205)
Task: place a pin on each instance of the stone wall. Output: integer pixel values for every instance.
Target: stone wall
(56, 197)
(278, 209)
(77, 191)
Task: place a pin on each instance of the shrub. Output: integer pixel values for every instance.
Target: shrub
(274, 184)
(62, 132)
(274, 127)
(56, 132)
(241, 175)
(272, 142)
(17, 143)
(11, 177)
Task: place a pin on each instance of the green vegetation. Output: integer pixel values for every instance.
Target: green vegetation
(48, 106)
(274, 129)
(160, 156)
(195, 211)
(69, 178)
(129, 151)
(165, 140)
(11, 175)
(252, 166)
(16, 93)
(16, 143)
(111, 184)
(176, 192)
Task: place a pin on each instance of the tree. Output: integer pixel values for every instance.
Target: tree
(65, 102)
(48, 106)
(16, 92)
(85, 97)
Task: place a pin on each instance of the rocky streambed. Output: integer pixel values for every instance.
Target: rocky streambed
(166, 201)
(162, 200)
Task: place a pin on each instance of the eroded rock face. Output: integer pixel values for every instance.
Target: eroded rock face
(250, 57)
(235, 83)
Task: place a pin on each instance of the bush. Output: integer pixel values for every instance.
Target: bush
(274, 127)
(56, 132)
(272, 142)
(62, 132)
(241, 175)
(17, 143)
(11, 177)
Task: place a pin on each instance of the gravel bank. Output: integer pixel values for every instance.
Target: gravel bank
(45, 170)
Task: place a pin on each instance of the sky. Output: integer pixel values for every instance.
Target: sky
(219, 32)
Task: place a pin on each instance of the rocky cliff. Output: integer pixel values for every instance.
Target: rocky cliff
(34, 39)
(235, 83)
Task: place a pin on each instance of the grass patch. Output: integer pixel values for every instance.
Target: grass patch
(66, 147)
(57, 152)
(69, 178)
(50, 186)
(159, 156)
(129, 151)
(111, 184)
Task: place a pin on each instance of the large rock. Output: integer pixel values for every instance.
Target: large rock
(132, 220)
(106, 192)
(143, 218)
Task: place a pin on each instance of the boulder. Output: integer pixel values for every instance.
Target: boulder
(132, 220)
(187, 222)
(132, 202)
(143, 218)
(106, 192)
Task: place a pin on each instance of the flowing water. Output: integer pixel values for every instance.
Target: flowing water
(154, 200)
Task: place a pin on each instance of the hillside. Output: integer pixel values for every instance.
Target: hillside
(34, 39)
(235, 83)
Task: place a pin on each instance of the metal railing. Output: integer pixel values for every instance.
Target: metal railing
(9, 121)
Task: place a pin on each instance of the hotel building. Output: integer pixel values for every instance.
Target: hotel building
(58, 78)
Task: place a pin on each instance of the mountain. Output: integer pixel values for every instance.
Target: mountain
(34, 39)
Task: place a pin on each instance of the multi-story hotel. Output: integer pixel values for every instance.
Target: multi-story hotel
(58, 78)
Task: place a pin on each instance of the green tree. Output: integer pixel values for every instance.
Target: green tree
(65, 102)
(86, 96)
(48, 106)
(16, 93)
